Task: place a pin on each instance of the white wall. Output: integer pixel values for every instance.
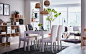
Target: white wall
(17, 5)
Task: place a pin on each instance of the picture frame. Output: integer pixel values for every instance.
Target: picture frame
(1, 8)
(6, 9)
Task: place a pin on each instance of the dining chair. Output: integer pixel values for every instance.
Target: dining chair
(51, 39)
(23, 37)
(59, 35)
(37, 36)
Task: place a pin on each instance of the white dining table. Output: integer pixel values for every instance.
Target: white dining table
(39, 32)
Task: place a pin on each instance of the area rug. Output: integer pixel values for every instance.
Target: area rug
(72, 41)
(34, 51)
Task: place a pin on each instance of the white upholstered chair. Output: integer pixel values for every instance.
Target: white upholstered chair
(37, 36)
(23, 37)
(51, 39)
(59, 35)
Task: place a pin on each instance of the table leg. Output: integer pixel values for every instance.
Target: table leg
(74, 37)
(42, 42)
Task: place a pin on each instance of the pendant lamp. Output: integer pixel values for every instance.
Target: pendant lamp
(46, 3)
(44, 12)
(38, 5)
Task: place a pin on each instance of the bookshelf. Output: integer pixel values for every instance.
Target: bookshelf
(13, 28)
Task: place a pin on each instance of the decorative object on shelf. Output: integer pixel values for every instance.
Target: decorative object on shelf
(12, 23)
(21, 21)
(4, 23)
(6, 9)
(13, 15)
(46, 3)
(1, 21)
(1, 8)
(21, 16)
(8, 23)
(16, 14)
(50, 17)
(37, 5)
(41, 25)
(44, 12)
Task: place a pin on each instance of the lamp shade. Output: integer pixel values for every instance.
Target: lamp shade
(44, 12)
(46, 3)
(37, 5)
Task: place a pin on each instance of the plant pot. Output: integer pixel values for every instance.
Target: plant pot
(32, 20)
(16, 16)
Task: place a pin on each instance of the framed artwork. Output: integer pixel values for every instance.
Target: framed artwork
(6, 9)
(1, 8)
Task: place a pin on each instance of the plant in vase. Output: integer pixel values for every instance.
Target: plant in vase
(32, 19)
(52, 12)
(41, 25)
(16, 14)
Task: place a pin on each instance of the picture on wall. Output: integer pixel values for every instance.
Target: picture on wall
(1, 9)
(6, 9)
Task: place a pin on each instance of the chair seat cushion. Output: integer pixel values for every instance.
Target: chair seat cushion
(28, 38)
(37, 37)
(46, 40)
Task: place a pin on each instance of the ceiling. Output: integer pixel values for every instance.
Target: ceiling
(54, 2)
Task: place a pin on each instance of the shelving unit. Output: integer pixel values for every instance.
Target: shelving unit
(14, 30)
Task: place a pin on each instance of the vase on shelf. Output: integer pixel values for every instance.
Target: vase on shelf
(16, 16)
(32, 20)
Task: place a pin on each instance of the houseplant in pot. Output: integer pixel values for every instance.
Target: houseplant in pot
(16, 14)
(32, 19)
(41, 25)
(52, 15)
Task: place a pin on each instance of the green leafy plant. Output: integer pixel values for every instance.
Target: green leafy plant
(51, 12)
(16, 12)
(33, 14)
(40, 24)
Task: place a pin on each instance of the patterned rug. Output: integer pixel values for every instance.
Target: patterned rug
(34, 51)
(76, 41)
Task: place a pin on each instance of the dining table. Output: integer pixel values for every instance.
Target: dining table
(39, 32)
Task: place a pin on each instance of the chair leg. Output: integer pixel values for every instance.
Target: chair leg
(52, 47)
(40, 46)
(60, 44)
(47, 45)
(19, 43)
(31, 43)
(38, 42)
(28, 46)
(24, 46)
(34, 44)
(55, 46)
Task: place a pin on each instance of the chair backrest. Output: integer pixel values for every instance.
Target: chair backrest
(53, 33)
(59, 32)
(21, 31)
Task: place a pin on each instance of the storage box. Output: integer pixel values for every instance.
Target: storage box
(3, 39)
(8, 23)
(3, 32)
(17, 23)
(13, 30)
